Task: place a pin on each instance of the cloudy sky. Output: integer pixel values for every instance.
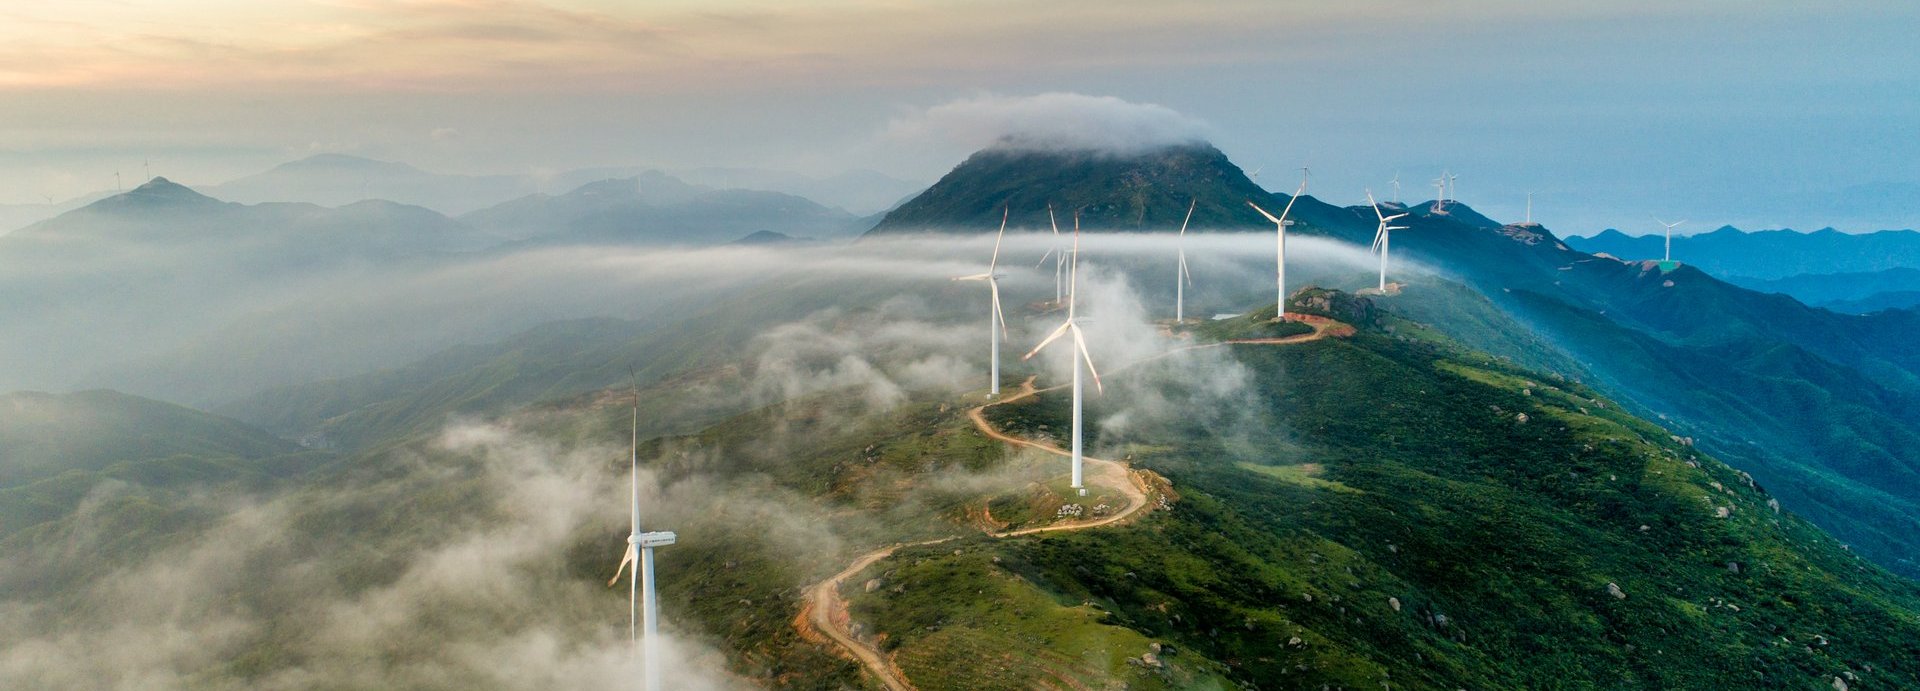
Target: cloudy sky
(1760, 114)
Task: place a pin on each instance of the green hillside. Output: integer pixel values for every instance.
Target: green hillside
(1422, 516)
(57, 449)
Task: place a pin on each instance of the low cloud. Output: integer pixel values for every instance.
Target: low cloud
(1049, 121)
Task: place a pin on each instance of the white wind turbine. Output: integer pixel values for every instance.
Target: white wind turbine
(1079, 348)
(1280, 253)
(643, 607)
(1182, 278)
(1059, 255)
(996, 322)
(1382, 237)
(1396, 187)
(1670, 227)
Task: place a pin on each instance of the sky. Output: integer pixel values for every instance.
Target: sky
(1757, 114)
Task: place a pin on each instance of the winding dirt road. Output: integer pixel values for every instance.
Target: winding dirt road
(824, 613)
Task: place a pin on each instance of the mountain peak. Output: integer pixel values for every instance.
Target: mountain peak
(156, 193)
(1147, 190)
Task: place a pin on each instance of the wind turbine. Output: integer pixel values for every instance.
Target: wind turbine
(1181, 278)
(1453, 188)
(643, 607)
(1079, 348)
(1670, 227)
(1396, 187)
(1381, 238)
(1280, 252)
(1440, 193)
(1059, 255)
(995, 318)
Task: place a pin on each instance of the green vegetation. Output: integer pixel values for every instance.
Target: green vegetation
(57, 450)
(1424, 516)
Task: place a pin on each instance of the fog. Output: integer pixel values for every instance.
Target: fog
(207, 335)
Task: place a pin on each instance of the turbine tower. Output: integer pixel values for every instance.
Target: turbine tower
(1529, 208)
(643, 606)
(1079, 348)
(1280, 253)
(1381, 237)
(1181, 278)
(1670, 226)
(996, 323)
(1440, 193)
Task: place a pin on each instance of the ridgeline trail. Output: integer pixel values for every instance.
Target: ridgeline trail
(824, 614)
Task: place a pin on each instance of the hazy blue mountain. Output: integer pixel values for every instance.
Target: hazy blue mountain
(339, 179)
(1768, 254)
(656, 209)
(543, 214)
(135, 273)
(860, 192)
(1889, 300)
(1852, 293)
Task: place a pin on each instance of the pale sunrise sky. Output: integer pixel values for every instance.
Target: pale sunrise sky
(1760, 114)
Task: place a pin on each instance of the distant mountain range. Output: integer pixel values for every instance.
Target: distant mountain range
(339, 179)
(1768, 254)
(657, 209)
(1852, 293)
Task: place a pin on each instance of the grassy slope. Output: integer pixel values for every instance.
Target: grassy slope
(1497, 537)
(57, 450)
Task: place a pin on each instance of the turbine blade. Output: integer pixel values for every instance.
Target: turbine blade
(972, 277)
(1057, 333)
(1389, 219)
(1043, 258)
(1290, 201)
(1263, 212)
(1081, 343)
(1183, 224)
(1374, 204)
(995, 262)
(624, 561)
(1052, 222)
